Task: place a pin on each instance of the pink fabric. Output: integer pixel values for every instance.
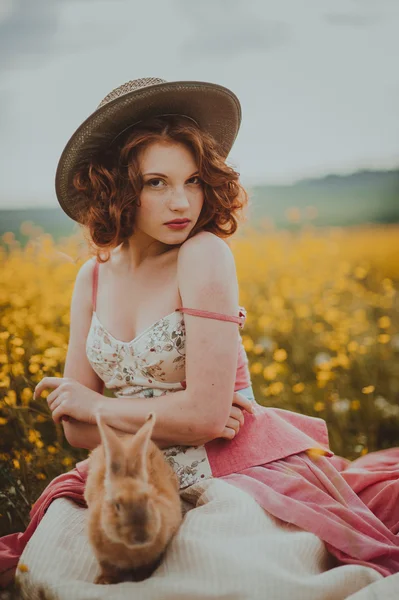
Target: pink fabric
(374, 477)
(306, 489)
(311, 493)
(268, 435)
(215, 315)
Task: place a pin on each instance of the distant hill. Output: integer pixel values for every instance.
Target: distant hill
(51, 220)
(362, 197)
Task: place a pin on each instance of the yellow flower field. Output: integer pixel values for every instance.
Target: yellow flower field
(322, 337)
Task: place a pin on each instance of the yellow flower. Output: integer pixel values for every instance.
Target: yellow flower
(280, 355)
(12, 397)
(17, 369)
(258, 349)
(26, 395)
(23, 568)
(298, 388)
(52, 449)
(369, 389)
(319, 406)
(355, 405)
(247, 343)
(270, 372)
(33, 435)
(324, 376)
(256, 368)
(275, 388)
(4, 380)
(40, 476)
(384, 338)
(3, 421)
(384, 322)
(342, 360)
(16, 464)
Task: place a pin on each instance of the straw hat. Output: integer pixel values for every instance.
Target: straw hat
(213, 107)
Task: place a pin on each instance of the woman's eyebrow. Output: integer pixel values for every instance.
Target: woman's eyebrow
(163, 174)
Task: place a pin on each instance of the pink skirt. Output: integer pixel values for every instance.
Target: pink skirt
(352, 507)
(354, 511)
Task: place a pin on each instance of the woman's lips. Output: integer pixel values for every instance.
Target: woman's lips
(177, 225)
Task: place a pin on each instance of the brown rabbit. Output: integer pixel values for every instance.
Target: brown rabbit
(134, 507)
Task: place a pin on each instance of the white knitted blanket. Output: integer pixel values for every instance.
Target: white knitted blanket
(226, 548)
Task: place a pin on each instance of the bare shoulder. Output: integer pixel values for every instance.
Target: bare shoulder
(206, 273)
(206, 250)
(84, 282)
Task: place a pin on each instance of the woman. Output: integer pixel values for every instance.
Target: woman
(152, 155)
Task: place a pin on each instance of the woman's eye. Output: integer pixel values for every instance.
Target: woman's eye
(152, 181)
(117, 505)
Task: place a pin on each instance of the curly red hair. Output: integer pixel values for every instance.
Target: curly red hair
(111, 183)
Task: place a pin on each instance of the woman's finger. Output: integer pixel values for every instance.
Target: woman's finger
(52, 397)
(233, 424)
(228, 433)
(243, 401)
(236, 413)
(52, 382)
(57, 414)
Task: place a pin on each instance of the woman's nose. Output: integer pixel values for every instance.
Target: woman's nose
(179, 198)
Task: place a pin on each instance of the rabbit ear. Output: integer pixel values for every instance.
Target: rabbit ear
(138, 448)
(115, 454)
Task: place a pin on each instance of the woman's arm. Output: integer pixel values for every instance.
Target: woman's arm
(125, 415)
(179, 421)
(207, 280)
(86, 435)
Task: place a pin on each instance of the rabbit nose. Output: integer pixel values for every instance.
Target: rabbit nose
(140, 536)
(138, 518)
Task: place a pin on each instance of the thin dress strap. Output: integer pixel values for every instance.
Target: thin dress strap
(95, 284)
(214, 315)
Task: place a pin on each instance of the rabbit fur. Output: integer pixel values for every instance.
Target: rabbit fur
(134, 506)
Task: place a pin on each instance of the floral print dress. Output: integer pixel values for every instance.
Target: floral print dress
(152, 364)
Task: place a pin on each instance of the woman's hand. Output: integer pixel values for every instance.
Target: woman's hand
(70, 399)
(236, 418)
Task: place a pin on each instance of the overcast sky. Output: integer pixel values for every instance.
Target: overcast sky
(318, 80)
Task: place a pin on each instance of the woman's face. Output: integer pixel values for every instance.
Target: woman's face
(171, 190)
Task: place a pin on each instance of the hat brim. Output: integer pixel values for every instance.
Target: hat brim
(214, 107)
